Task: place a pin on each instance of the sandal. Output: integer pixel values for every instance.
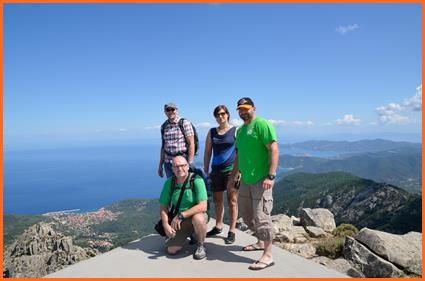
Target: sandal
(252, 247)
(265, 265)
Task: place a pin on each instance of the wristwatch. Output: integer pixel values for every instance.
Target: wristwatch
(180, 216)
(271, 177)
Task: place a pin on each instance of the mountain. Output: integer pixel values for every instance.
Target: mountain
(40, 250)
(400, 167)
(354, 200)
(360, 146)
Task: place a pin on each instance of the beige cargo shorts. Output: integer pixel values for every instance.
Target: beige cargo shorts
(255, 206)
(186, 229)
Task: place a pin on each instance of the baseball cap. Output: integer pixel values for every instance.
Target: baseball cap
(170, 104)
(245, 103)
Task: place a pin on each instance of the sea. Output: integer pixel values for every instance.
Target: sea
(84, 178)
(78, 178)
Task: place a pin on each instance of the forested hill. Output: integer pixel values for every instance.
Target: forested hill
(401, 167)
(351, 199)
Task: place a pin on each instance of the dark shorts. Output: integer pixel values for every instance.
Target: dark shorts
(219, 180)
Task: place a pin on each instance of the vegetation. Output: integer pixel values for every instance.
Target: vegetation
(137, 218)
(344, 230)
(331, 247)
(400, 167)
(15, 225)
(361, 202)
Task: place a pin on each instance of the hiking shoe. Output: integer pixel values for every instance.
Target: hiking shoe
(230, 238)
(200, 252)
(193, 239)
(214, 231)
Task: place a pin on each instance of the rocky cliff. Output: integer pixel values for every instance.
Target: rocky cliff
(368, 253)
(41, 250)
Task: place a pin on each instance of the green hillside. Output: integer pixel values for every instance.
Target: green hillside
(400, 167)
(351, 199)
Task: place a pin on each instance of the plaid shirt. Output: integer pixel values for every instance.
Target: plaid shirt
(174, 142)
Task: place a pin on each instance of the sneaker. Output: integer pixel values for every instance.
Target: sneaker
(200, 252)
(230, 238)
(214, 231)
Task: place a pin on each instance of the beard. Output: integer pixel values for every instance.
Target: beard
(245, 116)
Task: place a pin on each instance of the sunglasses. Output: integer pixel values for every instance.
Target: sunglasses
(170, 109)
(220, 114)
(179, 166)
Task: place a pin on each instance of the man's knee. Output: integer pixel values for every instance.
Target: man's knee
(199, 220)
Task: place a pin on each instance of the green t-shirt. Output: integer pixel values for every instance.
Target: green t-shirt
(253, 155)
(189, 199)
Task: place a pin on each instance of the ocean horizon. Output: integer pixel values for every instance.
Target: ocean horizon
(84, 178)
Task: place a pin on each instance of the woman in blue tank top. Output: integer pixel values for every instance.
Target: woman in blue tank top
(220, 143)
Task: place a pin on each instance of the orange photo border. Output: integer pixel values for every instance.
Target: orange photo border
(190, 2)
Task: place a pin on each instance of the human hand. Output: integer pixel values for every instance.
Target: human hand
(268, 183)
(169, 231)
(175, 223)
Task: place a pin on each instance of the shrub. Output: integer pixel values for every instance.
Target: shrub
(331, 248)
(344, 230)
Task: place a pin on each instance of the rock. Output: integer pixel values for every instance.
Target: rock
(322, 218)
(281, 222)
(340, 265)
(295, 221)
(300, 239)
(402, 250)
(370, 264)
(304, 250)
(315, 232)
(40, 251)
(284, 236)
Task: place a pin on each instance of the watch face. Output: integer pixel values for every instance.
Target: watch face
(271, 177)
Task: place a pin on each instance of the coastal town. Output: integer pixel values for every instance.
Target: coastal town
(82, 222)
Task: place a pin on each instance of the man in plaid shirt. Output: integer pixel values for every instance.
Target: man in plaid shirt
(174, 142)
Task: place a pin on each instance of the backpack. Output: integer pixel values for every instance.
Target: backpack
(192, 174)
(195, 137)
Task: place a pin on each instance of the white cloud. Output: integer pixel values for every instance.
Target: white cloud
(327, 124)
(155, 127)
(348, 28)
(348, 119)
(394, 113)
(204, 125)
(296, 123)
(123, 130)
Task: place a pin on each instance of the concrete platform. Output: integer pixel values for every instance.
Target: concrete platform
(146, 257)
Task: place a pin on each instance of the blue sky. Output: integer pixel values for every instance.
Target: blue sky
(76, 73)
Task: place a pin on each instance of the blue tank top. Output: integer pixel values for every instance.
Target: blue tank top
(224, 151)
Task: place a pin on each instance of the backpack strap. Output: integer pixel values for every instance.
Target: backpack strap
(181, 126)
(162, 133)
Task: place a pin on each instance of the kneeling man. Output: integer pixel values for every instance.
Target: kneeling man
(192, 216)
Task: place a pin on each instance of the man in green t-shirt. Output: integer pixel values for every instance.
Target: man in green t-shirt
(191, 216)
(257, 159)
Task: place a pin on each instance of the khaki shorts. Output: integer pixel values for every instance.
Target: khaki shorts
(186, 229)
(255, 206)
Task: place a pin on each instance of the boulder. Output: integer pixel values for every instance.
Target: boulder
(340, 265)
(319, 217)
(402, 250)
(281, 222)
(315, 232)
(306, 250)
(370, 264)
